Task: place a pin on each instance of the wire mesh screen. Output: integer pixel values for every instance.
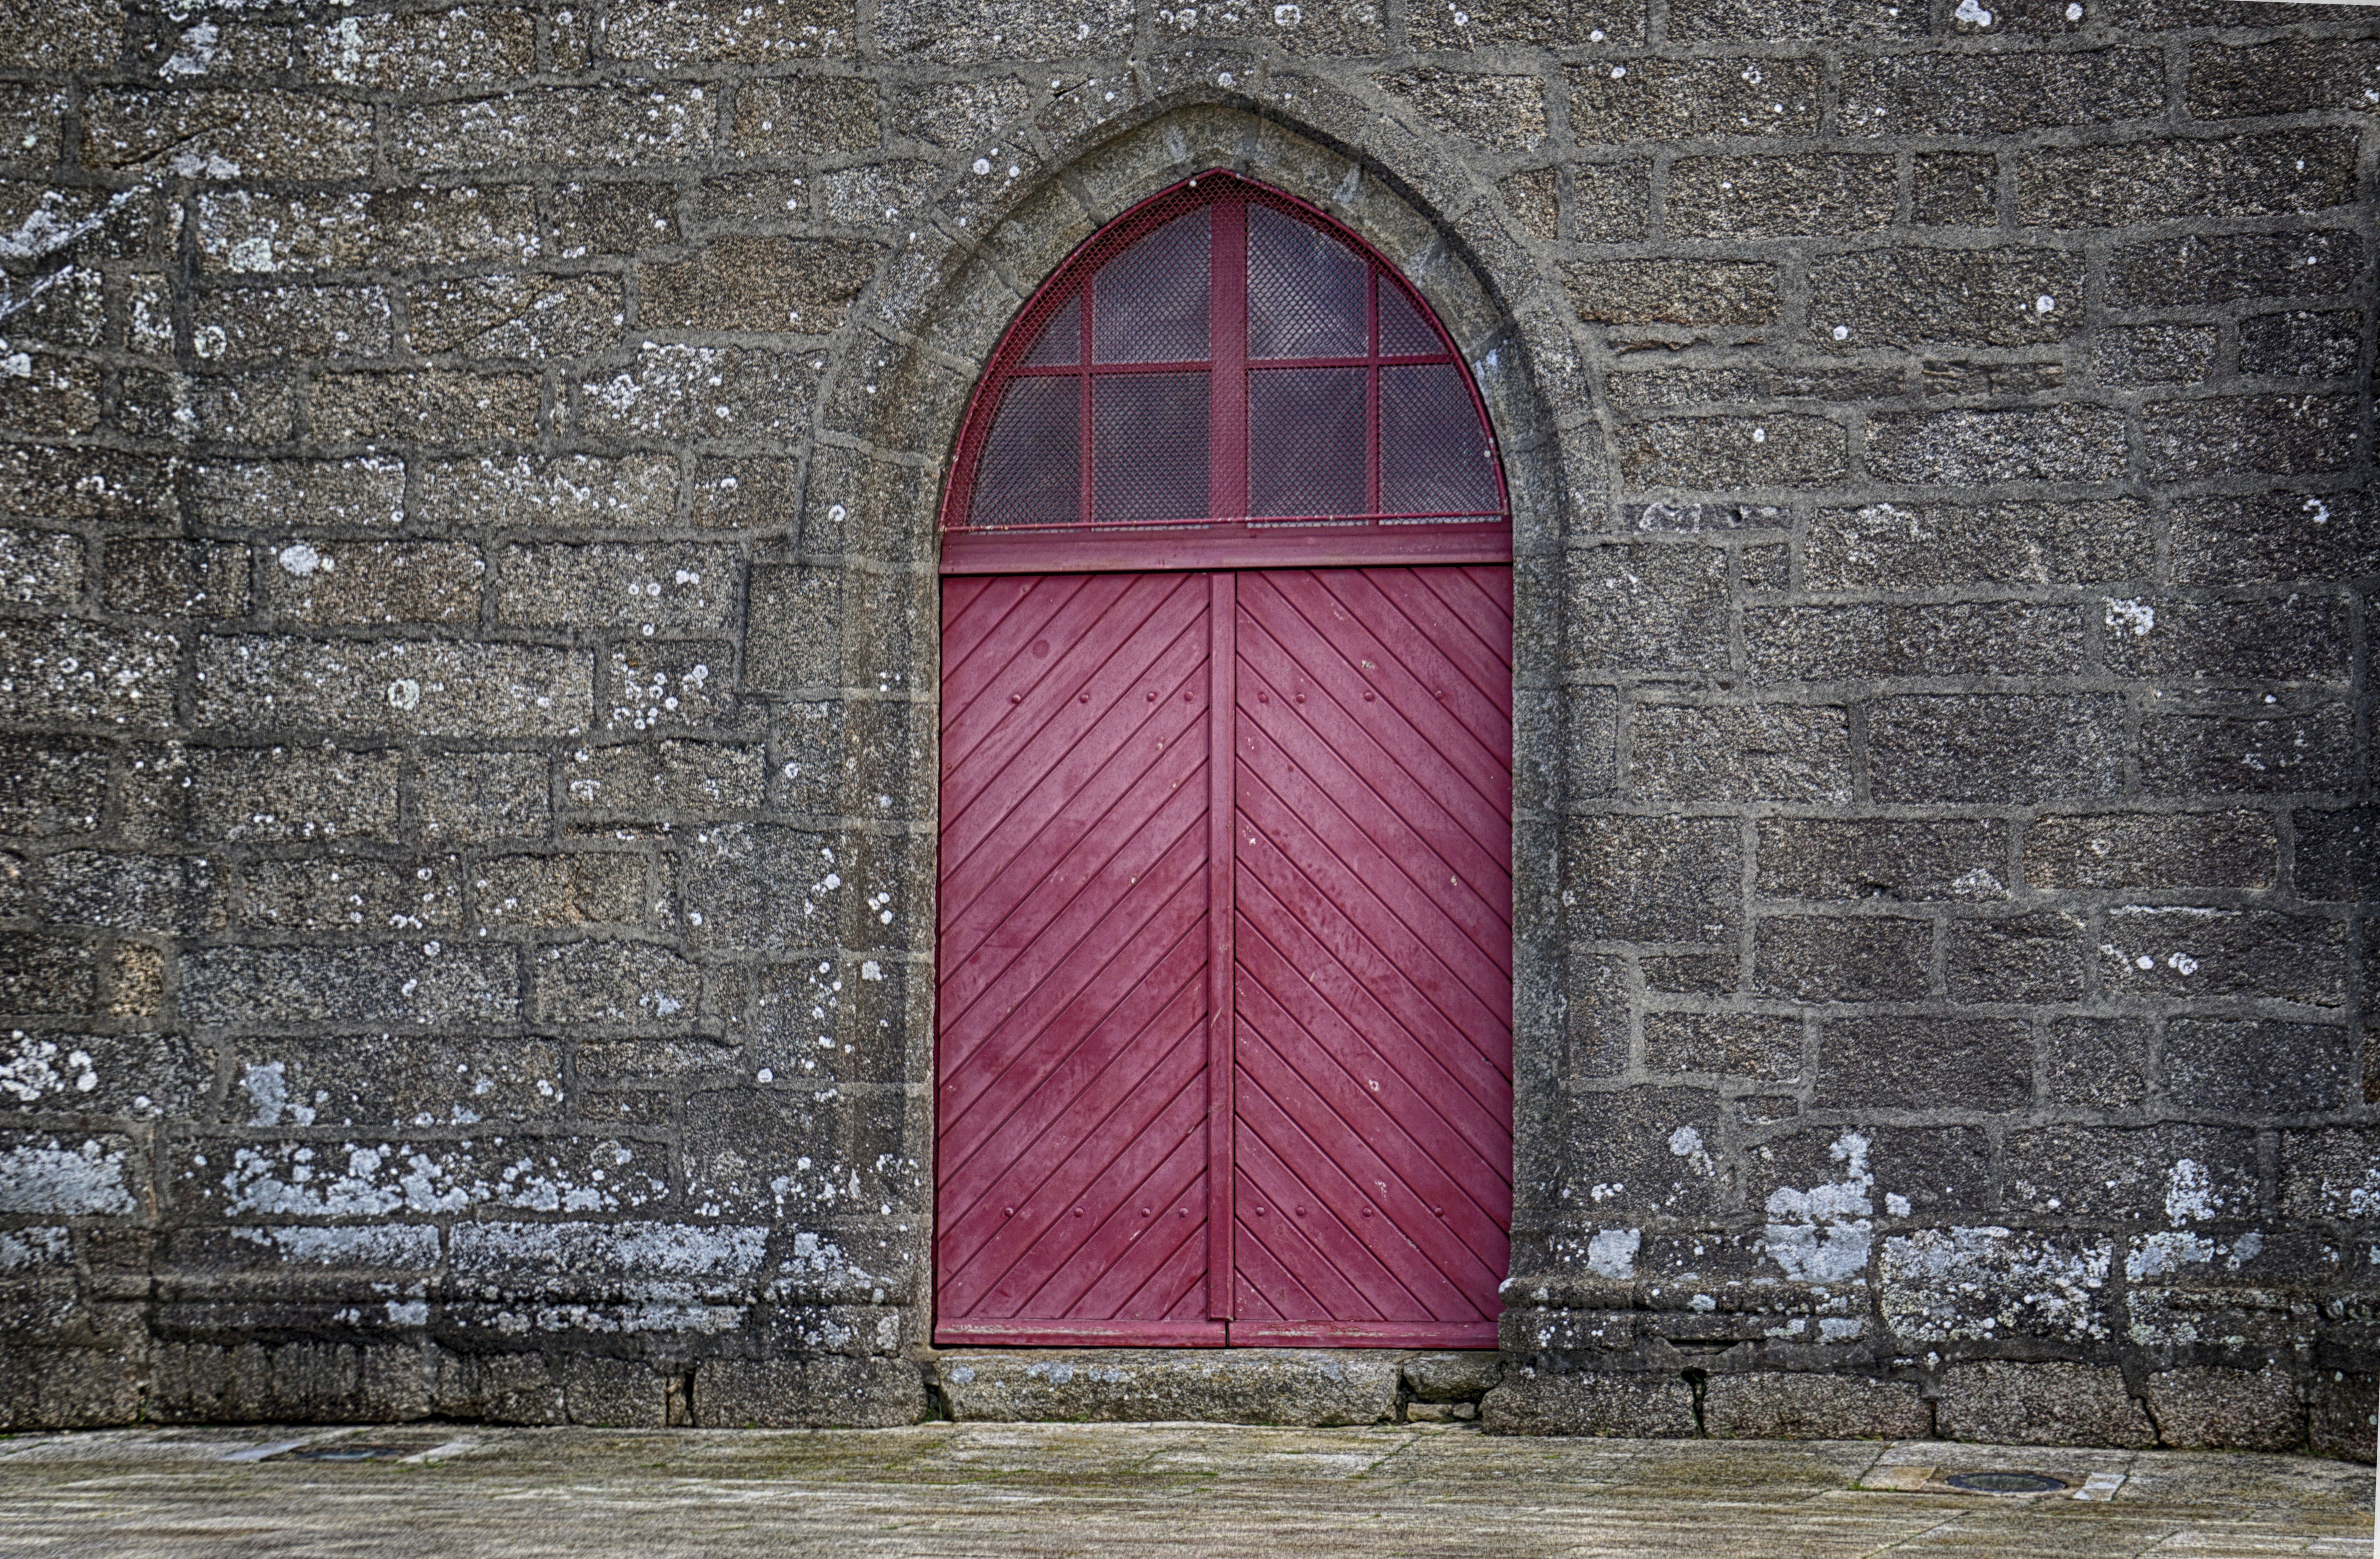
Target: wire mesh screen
(1249, 362)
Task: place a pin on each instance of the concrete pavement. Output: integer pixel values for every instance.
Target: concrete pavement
(1176, 1490)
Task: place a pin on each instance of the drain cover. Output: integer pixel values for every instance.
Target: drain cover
(348, 1451)
(2006, 1483)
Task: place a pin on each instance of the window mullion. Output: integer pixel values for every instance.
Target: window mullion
(1227, 375)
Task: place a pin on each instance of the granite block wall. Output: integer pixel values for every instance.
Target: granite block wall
(468, 679)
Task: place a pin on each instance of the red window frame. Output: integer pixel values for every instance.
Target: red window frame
(1228, 538)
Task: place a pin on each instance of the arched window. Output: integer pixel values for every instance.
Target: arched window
(1209, 380)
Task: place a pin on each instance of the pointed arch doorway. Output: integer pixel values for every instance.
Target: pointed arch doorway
(1224, 949)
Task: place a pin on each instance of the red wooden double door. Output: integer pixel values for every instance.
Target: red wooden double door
(1225, 979)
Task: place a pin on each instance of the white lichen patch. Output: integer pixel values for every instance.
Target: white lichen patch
(1613, 1252)
(351, 1179)
(52, 1178)
(1823, 1235)
(407, 1248)
(1989, 1283)
(32, 1068)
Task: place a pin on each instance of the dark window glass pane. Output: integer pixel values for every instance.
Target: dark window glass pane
(1305, 442)
(1060, 341)
(1149, 303)
(1149, 432)
(1030, 470)
(1434, 455)
(1404, 333)
(1305, 291)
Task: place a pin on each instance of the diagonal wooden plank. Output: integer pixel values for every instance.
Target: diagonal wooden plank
(1360, 899)
(1015, 886)
(1327, 733)
(1436, 872)
(1403, 614)
(1439, 1195)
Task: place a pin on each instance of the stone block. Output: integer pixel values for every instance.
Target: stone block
(1499, 113)
(1700, 386)
(1654, 99)
(231, 1179)
(1643, 1151)
(1990, 1284)
(1861, 640)
(50, 1176)
(1773, 1406)
(829, 1391)
(2162, 1174)
(801, 286)
(633, 491)
(51, 786)
(579, 888)
(2038, 957)
(1954, 190)
(1631, 1406)
(254, 131)
(386, 1082)
(1812, 959)
(1739, 752)
(2343, 1416)
(2301, 345)
(470, 797)
(375, 582)
(430, 407)
(675, 588)
(303, 1381)
(2207, 1409)
(48, 975)
(568, 126)
(1830, 1173)
(425, 687)
(1748, 1045)
(950, 31)
(53, 397)
(2259, 1066)
(2169, 850)
(1653, 879)
(428, 51)
(254, 324)
(1646, 607)
(1996, 94)
(2226, 434)
(1673, 292)
(744, 1153)
(1297, 1387)
(2271, 175)
(250, 232)
(1928, 298)
(1925, 1063)
(271, 986)
(645, 780)
(1778, 196)
(157, 895)
(2224, 268)
(1975, 448)
(2130, 355)
(1994, 747)
(2045, 1404)
(1540, 24)
(2190, 752)
(72, 1387)
(170, 578)
(2331, 1174)
(2339, 854)
(632, 983)
(75, 35)
(536, 318)
(2287, 75)
(674, 34)
(2199, 954)
(316, 495)
(1882, 858)
(497, 1388)
(613, 216)
(1533, 200)
(674, 392)
(1719, 452)
(1453, 1377)
(2100, 1063)
(802, 117)
(41, 567)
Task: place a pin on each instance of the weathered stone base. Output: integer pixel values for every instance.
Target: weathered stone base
(1633, 1407)
(1307, 1387)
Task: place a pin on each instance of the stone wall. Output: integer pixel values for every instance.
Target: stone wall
(467, 669)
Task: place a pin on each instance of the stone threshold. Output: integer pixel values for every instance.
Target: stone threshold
(1306, 1388)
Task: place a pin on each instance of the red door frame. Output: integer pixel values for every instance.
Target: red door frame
(1227, 543)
